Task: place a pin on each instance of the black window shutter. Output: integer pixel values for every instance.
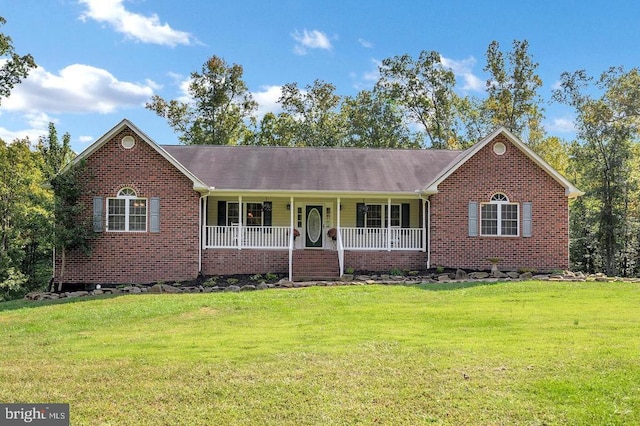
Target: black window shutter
(360, 215)
(405, 215)
(267, 213)
(222, 213)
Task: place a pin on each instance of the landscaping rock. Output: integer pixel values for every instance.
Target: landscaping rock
(135, 290)
(347, 277)
(262, 286)
(479, 275)
(164, 288)
(526, 276)
(285, 284)
(232, 288)
(513, 275)
(461, 275)
(498, 274)
(444, 278)
(540, 277)
(248, 287)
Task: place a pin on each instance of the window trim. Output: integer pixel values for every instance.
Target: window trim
(245, 213)
(128, 194)
(500, 199)
(384, 219)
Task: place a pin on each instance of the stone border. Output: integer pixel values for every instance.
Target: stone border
(459, 276)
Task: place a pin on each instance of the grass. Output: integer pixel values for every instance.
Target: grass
(507, 353)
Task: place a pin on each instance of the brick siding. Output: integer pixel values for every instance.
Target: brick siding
(517, 176)
(245, 261)
(385, 261)
(123, 257)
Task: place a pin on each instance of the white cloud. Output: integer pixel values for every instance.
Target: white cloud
(364, 43)
(313, 39)
(11, 135)
(267, 99)
(370, 77)
(147, 29)
(561, 125)
(76, 88)
(463, 69)
(86, 139)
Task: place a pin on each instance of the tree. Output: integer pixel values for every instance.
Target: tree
(16, 68)
(513, 100)
(373, 121)
(219, 108)
(310, 116)
(72, 229)
(24, 220)
(55, 154)
(424, 90)
(608, 127)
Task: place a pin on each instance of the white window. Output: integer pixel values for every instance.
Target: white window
(252, 214)
(376, 215)
(127, 212)
(499, 217)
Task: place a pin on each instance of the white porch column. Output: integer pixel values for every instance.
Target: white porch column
(240, 222)
(338, 215)
(388, 224)
(291, 239)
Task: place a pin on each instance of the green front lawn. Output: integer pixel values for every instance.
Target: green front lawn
(507, 353)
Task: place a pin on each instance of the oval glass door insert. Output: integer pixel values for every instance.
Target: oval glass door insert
(314, 225)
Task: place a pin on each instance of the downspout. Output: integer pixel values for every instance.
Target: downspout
(426, 226)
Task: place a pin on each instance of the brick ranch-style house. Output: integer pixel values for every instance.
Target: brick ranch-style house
(171, 213)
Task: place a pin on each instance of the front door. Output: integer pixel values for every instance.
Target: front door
(313, 233)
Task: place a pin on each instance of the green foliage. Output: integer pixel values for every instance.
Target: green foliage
(513, 100)
(221, 105)
(349, 271)
(396, 272)
(608, 126)
(271, 277)
(25, 216)
(255, 277)
(232, 281)
(211, 282)
(15, 67)
(423, 88)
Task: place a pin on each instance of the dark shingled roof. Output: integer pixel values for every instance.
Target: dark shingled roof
(313, 169)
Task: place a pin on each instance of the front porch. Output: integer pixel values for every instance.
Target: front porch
(338, 225)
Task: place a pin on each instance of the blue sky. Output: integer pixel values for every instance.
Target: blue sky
(101, 60)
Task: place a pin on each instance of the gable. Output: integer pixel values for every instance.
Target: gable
(510, 141)
(121, 129)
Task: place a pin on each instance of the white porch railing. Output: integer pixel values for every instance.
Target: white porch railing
(382, 238)
(271, 237)
(277, 237)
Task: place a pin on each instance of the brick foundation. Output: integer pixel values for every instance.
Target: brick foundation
(385, 261)
(246, 261)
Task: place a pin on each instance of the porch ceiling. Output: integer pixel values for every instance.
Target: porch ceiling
(312, 169)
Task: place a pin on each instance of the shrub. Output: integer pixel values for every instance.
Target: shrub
(232, 281)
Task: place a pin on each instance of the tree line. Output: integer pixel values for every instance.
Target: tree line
(414, 104)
